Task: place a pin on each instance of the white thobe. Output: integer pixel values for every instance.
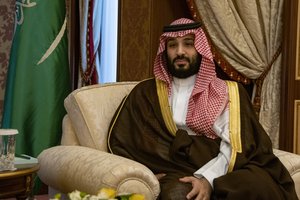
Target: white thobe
(181, 92)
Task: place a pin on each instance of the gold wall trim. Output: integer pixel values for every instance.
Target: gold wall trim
(298, 46)
(297, 127)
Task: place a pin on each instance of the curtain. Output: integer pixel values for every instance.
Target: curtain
(98, 41)
(89, 42)
(6, 35)
(248, 35)
(109, 35)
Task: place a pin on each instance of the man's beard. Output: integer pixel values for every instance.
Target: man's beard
(181, 72)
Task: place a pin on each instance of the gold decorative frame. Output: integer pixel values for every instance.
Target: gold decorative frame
(298, 46)
(297, 127)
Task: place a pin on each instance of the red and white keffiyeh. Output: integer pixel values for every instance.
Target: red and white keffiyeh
(209, 96)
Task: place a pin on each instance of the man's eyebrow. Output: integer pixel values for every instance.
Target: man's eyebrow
(174, 39)
(190, 38)
(170, 39)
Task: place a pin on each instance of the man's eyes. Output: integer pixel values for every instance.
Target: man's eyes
(189, 43)
(174, 44)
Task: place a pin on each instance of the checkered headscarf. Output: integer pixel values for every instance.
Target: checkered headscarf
(209, 96)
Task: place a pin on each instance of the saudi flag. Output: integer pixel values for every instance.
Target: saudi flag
(38, 75)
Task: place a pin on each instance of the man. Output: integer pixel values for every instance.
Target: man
(196, 132)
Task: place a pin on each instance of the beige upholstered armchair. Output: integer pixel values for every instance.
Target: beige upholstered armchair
(82, 162)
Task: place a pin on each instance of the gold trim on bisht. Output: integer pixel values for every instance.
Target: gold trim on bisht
(162, 93)
(114, 122)
(234, 122)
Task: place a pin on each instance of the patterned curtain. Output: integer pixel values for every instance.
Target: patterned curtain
(248, 36)
(89, 42)
(7, 14)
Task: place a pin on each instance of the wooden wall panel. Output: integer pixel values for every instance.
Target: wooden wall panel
(289, 109)
(297, 127)
(140, 25)
(298, 46)
(297, 89)
(134, 40)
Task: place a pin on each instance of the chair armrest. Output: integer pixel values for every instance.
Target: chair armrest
(292, 162)
(67, 168)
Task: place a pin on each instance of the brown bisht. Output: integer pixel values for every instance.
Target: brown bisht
(143, 130)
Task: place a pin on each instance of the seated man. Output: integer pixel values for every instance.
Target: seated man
(198, 133)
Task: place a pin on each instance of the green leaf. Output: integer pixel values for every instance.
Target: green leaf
(123, 197)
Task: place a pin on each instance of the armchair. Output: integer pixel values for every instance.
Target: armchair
(82, 162)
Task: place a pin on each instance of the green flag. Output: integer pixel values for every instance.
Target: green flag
(38, 75)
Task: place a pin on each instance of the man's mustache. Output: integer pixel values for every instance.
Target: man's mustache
(181, 58)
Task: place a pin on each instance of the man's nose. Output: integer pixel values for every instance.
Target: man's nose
(180, 50)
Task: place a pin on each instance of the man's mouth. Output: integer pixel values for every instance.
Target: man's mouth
(181, 61)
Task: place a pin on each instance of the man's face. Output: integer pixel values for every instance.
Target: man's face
(183, 59)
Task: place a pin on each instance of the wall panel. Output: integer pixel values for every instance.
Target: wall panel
(290, 97)
(297, 127)
(140, 25)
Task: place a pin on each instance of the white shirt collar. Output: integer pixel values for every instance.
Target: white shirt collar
(189, 81)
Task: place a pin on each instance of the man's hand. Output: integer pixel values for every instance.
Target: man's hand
(201, 188)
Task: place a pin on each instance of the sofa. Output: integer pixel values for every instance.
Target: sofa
(82, 161)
